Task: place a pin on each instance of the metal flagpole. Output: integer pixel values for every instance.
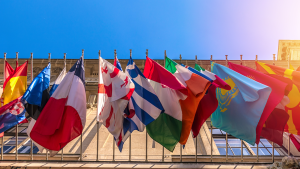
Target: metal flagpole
(130, 134)
(257, 152)
(226, 147)
(163, 149)
(17, 124)
(31, 77)
(99, 74)
(211, 139)
(4, 59)
(49, 61)
(115, 55)
(273, 152)
(273, 59)
(241, 150)
(196, 139)
(180, 144)
(146, 129)
(289, 145)
(65, 66)
(226, 60)
(82, 54)
(241, 59)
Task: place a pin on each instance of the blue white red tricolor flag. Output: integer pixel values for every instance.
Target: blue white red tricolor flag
(64, 116)
(114, 91)
(58, 81)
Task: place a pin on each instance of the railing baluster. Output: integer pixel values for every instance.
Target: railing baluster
(196, 145)
(17, 142)
(113, 149)
(226, 147)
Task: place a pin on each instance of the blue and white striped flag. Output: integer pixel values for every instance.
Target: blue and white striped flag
(144, 106)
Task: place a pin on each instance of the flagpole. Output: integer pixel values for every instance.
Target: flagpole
(31, 69)
(97, 158)
(17, 57)
(211, 138)
(4, 59)
(65, 66)
(196, 139)
(226, 57)
(163, 149)
(226, 146)
(130, 134)
(115, 55)
(180, 144)
(17, 124)
(289, 145)
(242, 151)
(49, 61)
(241, 59)
(146, 129)
(82, 54)
(273, 59)
(255, 59)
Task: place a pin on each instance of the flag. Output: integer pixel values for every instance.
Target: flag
(16, 84)
(240, 108)
(117, 64)
(296, 141)
(273, 118)
(63, 117)
(11, 114)
(196, 86)
(293, 107)
(36, 97)
(114, 91)
(209, 103)
(58, 81)
(166, 129)
(144, 106)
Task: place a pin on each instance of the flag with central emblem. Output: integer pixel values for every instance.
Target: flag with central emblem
(240, 108)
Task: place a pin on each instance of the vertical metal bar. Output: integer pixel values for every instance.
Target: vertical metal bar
(180, 59)
(196, 151)
(146, 146)
(241, 59)
(242, 150)
(31, 78)
(46, 155)
(62, 154)
(226, 60)
(211, 145)
(163, 149)
(289, 60)
(99, 76)
(17, 142)
(211, 57)
(226, 147)
(257, 152)
(2, 147)
(114, 148)
(17, 58)
(17, 129)
(273, 152)
(196, 59)
(49, 57)
(49, 61)
(81, 151)
(130, 134)
(256, 57)
(180, 153)
(289, 145)
(273, 59)
(65, 60)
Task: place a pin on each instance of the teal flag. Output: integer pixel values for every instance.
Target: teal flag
(239, 109)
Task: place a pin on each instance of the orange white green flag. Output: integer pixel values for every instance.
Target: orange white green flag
(197, 87)
(293, 107)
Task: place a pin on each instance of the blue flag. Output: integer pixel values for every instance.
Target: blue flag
(240, 108)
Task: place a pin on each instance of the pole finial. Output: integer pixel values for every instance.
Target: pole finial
(130, 52)
(146, 52)
(165, 53)
(211, 57)
(115, 53)
(82, 52)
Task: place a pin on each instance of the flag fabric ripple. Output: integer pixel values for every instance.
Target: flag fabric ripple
(166, 129)
(58, 81)
(64, 116)
(114, 91)
(240, 108)
(144, 106)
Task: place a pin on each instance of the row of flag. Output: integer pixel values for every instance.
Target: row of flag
(169, 101)
(57, 115)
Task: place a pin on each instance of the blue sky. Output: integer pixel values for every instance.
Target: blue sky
(187, 27)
